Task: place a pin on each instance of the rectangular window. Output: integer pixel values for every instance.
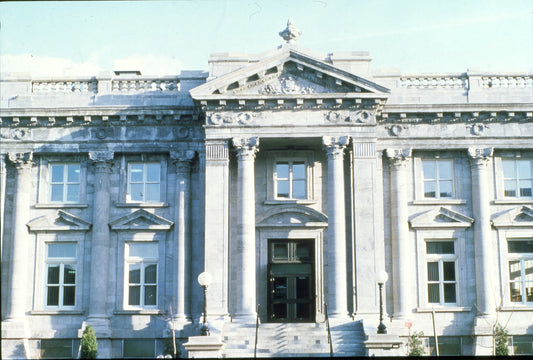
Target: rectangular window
(141, 274)
(518, 177)
(522, 344)
(520, 254)
(57, 349)
(64, 183)
(448, 346)
(144, 182)
(139, 348)
(441, 263)
(60, 275)
(291, 180)
(438, 178)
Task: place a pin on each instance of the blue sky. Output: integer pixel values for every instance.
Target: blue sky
(169, 36)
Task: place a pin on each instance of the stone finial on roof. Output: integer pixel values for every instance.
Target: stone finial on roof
(291, 33)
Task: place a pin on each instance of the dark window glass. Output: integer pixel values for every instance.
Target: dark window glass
(440, 247)
(520, 246)
(139, 348)
(56, 348)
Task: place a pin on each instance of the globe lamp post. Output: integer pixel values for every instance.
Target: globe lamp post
(381, 278)
(204, 279)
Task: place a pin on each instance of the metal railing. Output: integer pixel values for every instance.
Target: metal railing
(330, 342)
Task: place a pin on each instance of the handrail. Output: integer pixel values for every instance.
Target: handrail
(330, 342)
(256, 329)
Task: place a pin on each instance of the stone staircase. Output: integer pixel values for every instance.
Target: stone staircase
(293, 340)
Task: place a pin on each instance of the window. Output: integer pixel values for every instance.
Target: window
(520, 270)
(144, 182)
(139, 348)
(64, 183)
(141, 274)
(438, 178)
(522, 344)
(517, 177)
(58, 348)
(60, 275)
(448, 346)
(441, 272)
(291, 180)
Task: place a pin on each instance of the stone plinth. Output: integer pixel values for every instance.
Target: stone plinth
(201, 347)
(384, 345)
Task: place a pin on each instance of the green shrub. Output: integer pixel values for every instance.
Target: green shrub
(501, 337)
(89, 346)
(414, 345)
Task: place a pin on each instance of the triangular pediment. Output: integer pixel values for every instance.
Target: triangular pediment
(290, 72)
(292, 216)
(518, 217)
(441, 218)
(59, 221)
(141, 220)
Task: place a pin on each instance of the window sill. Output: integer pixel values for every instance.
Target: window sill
(443, 308)
(290, 201)
(142, 205)
(138, 312)
(57, 312)
(513, 201)
(60, 206)
(521, 307)
(439, 202)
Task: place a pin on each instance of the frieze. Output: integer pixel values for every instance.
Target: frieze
(241, 118)
(354, 117)
(290, 84)
(16, 134)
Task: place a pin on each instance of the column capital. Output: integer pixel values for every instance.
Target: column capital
(246, 147)
(22, 161)
(398, 157)
(101, 159)
(182, 159)
(334, 146)
(480, 157)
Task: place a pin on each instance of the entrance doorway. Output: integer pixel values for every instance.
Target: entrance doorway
(291, 285)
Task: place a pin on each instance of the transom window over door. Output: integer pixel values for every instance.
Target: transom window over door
(518, 177)
(60, 275)
(291, 180)
(438, 178)
(441, 272)
(520, 253)
(144, 182)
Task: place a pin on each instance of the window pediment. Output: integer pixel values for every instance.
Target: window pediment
(58, 221)
(292, 216)
(141, 220)
(441, 218)
(519, 217)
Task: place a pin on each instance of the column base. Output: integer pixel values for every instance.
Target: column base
(244, 318)
(101, 326)
(15, 328)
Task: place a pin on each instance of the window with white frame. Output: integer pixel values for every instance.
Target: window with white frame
(290, 179)
(141, 269)
(64, 183)
(521, 344)
(60, 286)
(520, 256)
(144, 182)
(441, 265)
(438, 178)
(518, 177)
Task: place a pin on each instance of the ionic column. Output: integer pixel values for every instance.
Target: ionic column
(245, 251)
(479, 161)
(182, 161)
(18, 281)
(100, 242)
(337, 296)
(401, 250)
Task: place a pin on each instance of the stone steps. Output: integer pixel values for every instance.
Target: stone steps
(293, 340)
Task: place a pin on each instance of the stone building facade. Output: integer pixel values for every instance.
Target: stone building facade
(291, 177)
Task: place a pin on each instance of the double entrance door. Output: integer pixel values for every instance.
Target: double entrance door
(291, 285)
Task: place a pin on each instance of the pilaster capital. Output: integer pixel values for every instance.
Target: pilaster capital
(334, 146)
(479, 157)
(246, 147)
(22, 161)
(182, 159)
(101, 159)
(398, 157)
